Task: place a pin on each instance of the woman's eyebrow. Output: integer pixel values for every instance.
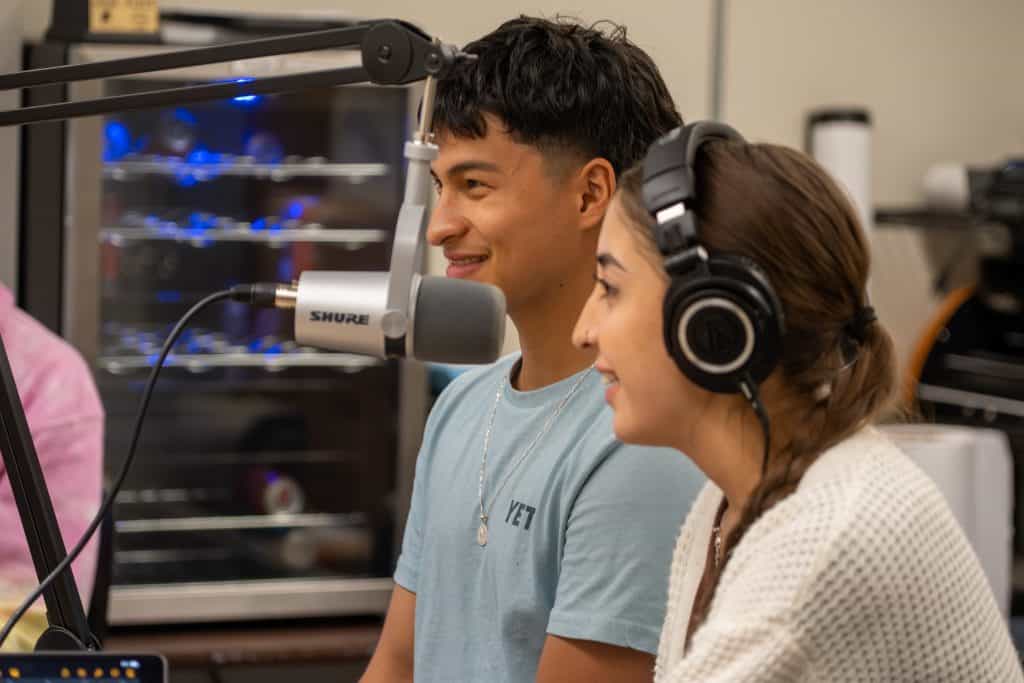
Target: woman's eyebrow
(606, 260)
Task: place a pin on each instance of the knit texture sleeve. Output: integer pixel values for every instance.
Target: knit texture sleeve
(742, 650)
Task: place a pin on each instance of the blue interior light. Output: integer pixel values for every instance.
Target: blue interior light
(152, 358)
(201, 155)
(185, 116)
(246, 99)
(285, 266)
(168, 296)
(200, 222)
(186, 180)
(118, 141)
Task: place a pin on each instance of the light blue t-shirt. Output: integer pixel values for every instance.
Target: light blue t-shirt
(580, 537)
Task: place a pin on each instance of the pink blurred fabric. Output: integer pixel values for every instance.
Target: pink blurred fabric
(65, 417)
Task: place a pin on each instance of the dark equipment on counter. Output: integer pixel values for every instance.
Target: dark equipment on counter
(968, 365)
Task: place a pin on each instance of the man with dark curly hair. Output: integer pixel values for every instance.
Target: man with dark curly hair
(537, 546)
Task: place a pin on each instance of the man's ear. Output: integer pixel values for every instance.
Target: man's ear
(596, 187)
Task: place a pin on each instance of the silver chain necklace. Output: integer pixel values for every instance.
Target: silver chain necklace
(481, 532)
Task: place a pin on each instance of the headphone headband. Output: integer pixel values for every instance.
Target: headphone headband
(669, 182)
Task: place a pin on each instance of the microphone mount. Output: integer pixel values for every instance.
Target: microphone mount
(392, 53)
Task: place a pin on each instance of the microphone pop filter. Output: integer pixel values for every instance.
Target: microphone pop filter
(457, 321)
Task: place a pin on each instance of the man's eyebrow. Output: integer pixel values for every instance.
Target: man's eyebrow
(470, 165)
(606, 260)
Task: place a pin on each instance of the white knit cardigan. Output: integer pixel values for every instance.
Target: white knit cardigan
(862, 574)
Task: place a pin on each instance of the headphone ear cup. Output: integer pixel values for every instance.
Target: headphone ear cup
(724, 326)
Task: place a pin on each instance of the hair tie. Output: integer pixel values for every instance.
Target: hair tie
(856, 327)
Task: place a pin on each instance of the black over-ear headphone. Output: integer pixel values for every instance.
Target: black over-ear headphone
(723, 323)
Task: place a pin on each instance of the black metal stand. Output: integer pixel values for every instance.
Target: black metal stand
(392, 52)
(68, 629)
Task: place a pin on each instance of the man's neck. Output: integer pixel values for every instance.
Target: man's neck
(545, 339)
(547, 363)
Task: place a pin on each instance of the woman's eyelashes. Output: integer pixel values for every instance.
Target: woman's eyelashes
(608, 290)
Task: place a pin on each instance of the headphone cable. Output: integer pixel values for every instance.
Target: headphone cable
(750, 392)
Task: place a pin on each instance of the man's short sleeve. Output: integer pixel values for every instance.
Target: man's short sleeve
(619, 540)
(408, 568)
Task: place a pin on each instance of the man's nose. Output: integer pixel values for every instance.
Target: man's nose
(445, 223)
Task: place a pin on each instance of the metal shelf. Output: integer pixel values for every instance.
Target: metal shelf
(241, 523)
(224, 458)
(164, 496)
(199, 362)
(118, 235)
(230, 601)
(173, 556)
(206, 171)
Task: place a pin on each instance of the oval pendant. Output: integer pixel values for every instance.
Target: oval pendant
(481, 535)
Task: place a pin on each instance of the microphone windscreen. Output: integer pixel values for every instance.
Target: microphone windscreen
(457, 321)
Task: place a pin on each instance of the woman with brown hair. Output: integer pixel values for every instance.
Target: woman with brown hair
(731, 321)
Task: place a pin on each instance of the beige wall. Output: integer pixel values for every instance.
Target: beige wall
(941, 78)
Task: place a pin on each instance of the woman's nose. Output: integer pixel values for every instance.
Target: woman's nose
(584, 334)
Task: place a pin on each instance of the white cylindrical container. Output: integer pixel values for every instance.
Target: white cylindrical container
(839, 138)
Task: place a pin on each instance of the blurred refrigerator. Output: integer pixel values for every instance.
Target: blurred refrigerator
(272, 480)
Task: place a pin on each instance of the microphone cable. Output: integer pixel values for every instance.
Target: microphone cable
(246, 293)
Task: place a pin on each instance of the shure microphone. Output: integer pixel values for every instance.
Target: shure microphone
(450, 321)
(397, 313)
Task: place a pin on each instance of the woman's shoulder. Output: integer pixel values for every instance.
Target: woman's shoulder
(863, 508)
(864, 492)
(865, 562)
(870, 492)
